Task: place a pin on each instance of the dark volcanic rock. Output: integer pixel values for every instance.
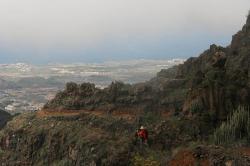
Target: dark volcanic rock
(4, 118)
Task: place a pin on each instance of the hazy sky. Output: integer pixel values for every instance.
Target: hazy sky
(42, 31)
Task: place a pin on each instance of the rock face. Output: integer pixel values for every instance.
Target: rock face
(221, 80)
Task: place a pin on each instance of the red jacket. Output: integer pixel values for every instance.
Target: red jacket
(143, 133)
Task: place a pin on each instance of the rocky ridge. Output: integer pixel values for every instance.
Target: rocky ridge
(217, 81)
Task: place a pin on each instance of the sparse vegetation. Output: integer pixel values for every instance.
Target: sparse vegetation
(139, 160)
(149, 118)
(236, 127)
(196, 108)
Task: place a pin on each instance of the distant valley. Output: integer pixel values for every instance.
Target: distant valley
(25, 87)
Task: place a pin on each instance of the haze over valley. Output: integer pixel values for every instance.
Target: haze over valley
(25, 87)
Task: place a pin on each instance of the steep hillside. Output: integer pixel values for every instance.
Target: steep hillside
(189, 111)
(95, 138)
(89, 139)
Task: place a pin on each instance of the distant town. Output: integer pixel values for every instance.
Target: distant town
(25, 99)
(25, 88)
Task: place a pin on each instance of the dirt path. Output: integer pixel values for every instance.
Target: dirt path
(45, 113)
(66, 113)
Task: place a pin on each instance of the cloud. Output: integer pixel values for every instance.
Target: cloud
(43, 25)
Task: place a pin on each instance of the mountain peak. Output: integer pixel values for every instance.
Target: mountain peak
(247, 25)
(241, 39)
(248, 18)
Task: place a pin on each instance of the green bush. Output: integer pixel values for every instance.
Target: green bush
(196, 108)
(71, 87)
(235, 128)
(149, 118)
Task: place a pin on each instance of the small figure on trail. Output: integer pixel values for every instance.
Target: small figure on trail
(142, 134)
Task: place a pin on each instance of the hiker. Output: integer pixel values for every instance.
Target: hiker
(142, 134)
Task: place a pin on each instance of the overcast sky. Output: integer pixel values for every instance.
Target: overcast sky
(43, 31)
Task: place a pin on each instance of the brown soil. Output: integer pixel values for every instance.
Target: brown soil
(166, 114)
(245, 151)
(117, 114)
(186, 158)
(205, 163)
(44, 113)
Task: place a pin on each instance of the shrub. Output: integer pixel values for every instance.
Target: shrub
(196, 107)
(235, 128)
(150, 117)
(139, 160)
(71, 87)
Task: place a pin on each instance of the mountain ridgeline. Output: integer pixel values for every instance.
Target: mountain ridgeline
(216, 82)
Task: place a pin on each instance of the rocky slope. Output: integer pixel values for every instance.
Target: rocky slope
(107, 139)
(88, 139)
(181, 107)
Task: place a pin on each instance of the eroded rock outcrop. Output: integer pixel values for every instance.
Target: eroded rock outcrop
(221, 81)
